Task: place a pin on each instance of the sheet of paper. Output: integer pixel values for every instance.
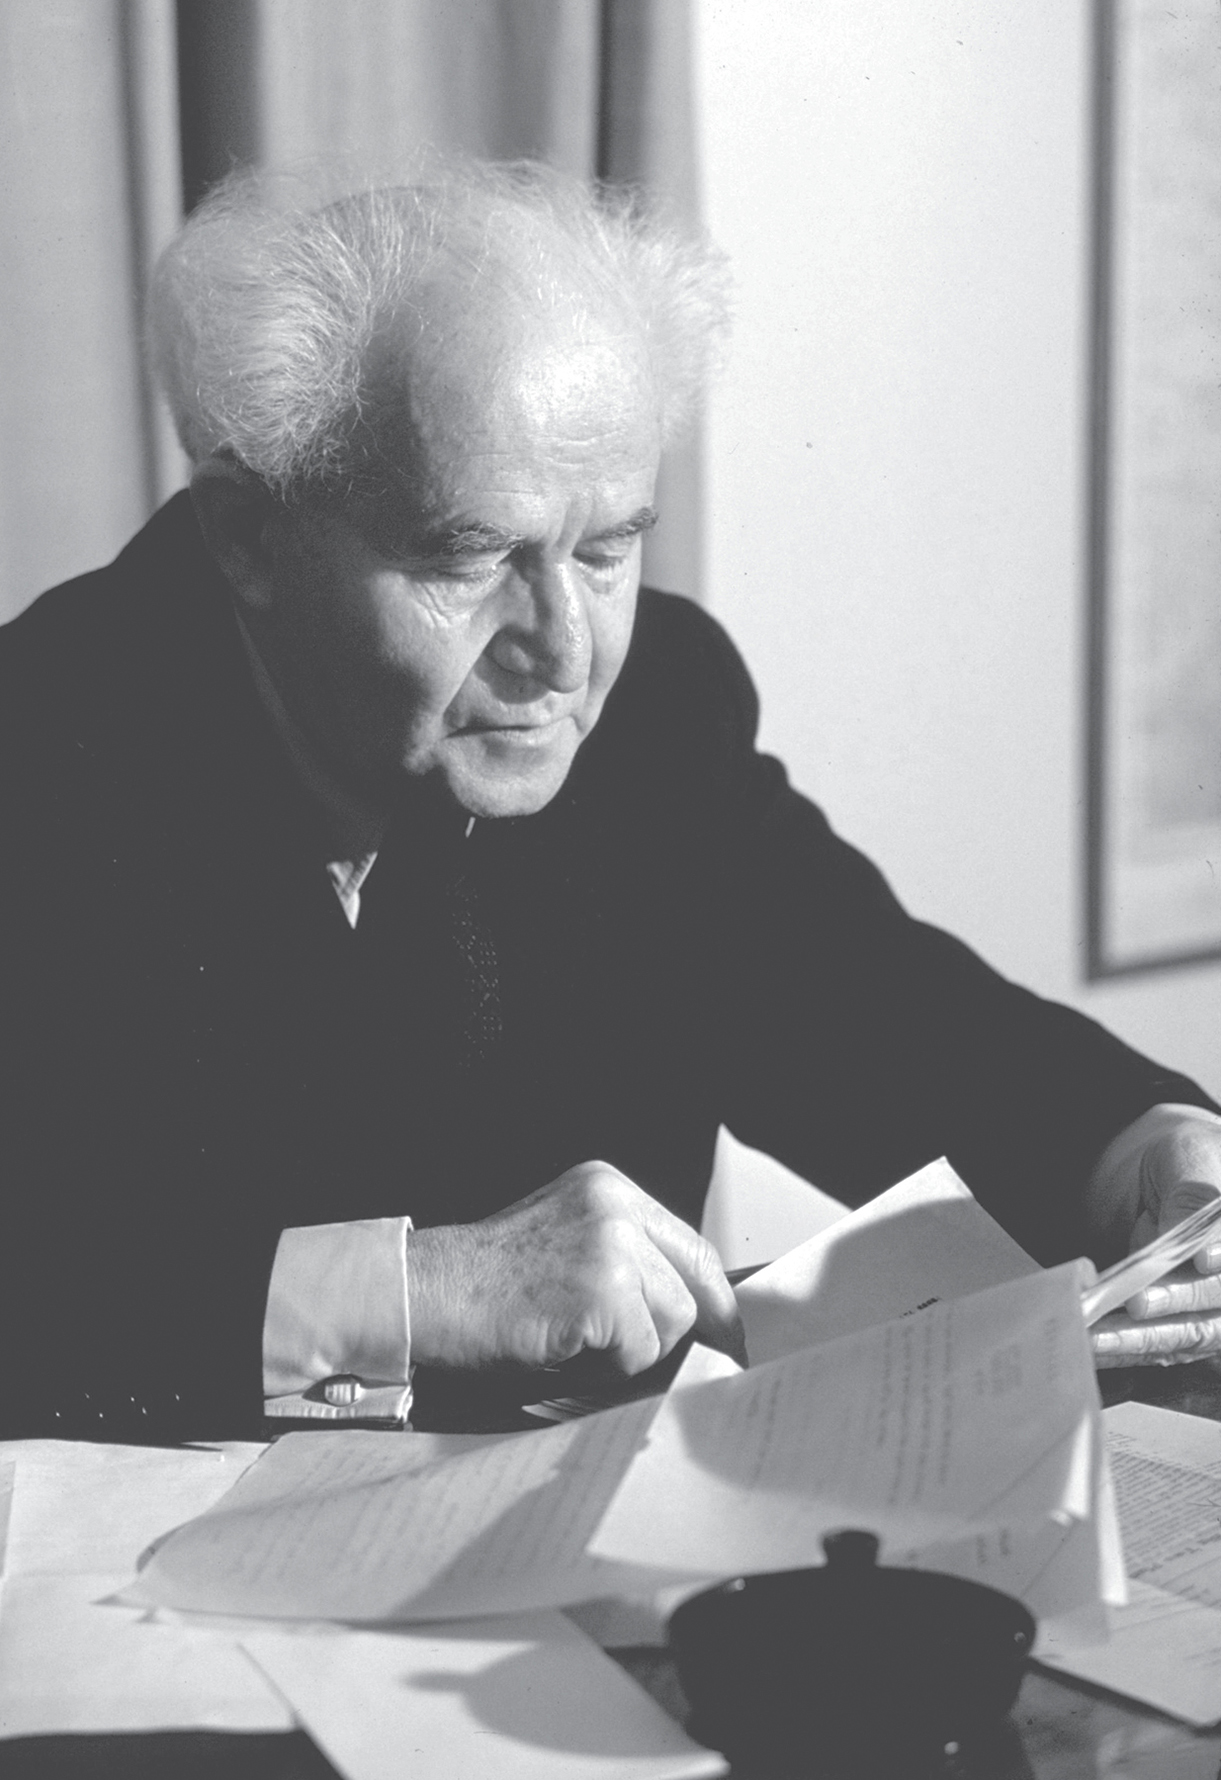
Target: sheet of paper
(70, 1660)
(8, 1480)
(389, 1527)
(85, 1507)
(526, 1698)
(1067, 1573)
(1165, 1645)
(968, 1415)
(1168, 1479)
(1163, 1651)
(923, 1240)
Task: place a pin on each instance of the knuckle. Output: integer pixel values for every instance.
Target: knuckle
(619, 1278)
(601, 1190)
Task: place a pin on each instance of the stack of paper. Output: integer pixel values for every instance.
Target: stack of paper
(913, 1373)
(377, 1527)
(965, 1435)
(963, 1429)
(526, 1695)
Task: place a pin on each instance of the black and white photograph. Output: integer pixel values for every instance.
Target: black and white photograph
(610, 918)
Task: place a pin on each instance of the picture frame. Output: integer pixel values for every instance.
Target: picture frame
(1154, 733)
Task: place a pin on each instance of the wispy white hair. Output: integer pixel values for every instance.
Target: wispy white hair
(265, 307)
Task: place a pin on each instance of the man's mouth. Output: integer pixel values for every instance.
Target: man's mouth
(539, 726)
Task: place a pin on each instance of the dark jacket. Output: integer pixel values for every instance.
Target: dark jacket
(191, 1060)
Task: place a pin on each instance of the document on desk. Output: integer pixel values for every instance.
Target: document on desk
(969, 1419)
(1165, 1645)
(528, 1696)
(524, 1698)
(386, 1527)
(72, 1660)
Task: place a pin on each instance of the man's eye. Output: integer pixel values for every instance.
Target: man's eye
(471, 569)
(603, 562)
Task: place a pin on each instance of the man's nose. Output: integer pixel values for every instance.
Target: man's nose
(550, 639)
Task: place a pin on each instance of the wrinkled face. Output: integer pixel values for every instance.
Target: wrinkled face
(472, 626)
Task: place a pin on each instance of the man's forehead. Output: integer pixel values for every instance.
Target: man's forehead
(459, 418)
(460, 355)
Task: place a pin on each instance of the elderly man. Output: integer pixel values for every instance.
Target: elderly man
(396, 903)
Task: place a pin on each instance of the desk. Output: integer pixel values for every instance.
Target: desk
(1058, 1731)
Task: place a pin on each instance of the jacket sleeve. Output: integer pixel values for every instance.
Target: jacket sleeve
(859, 1043)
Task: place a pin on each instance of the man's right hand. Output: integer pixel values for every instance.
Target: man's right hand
(588, 1263)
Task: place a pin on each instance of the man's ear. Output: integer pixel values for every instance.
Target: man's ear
(237, 513)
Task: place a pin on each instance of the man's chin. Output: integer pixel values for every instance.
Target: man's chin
(495, 787)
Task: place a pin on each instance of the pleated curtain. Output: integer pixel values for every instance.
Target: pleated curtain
(116, 113)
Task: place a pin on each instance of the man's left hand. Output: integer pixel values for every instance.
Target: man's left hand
(1158, 1171)
(1180, 1170)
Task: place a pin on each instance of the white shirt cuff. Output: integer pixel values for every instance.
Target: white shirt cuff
(337, 1303)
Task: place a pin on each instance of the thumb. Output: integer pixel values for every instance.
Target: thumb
(1181, 1200)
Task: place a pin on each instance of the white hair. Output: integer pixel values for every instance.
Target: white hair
(266, 305)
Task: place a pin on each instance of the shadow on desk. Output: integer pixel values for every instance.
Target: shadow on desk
(166, 1755)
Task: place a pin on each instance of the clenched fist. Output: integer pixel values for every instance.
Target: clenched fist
(589, 1262)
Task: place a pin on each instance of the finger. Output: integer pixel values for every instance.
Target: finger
(718, 1321)
(1187, 1166)
(1184, 1198)
(1163, 1343)
(635, 1342)
(670, 1304)
(1175, 1295)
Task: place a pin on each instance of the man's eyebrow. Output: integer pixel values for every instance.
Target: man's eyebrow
(642, 520)
(448, 543)
(452, 541)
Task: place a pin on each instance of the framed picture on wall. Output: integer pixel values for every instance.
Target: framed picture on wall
(1154, 854)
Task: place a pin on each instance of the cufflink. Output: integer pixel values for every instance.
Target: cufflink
(342, 1390)
(369, 1406)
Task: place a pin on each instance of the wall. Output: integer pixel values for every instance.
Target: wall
(897, 453)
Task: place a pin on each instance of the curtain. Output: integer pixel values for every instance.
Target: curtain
(119, 112)
(89, 189)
